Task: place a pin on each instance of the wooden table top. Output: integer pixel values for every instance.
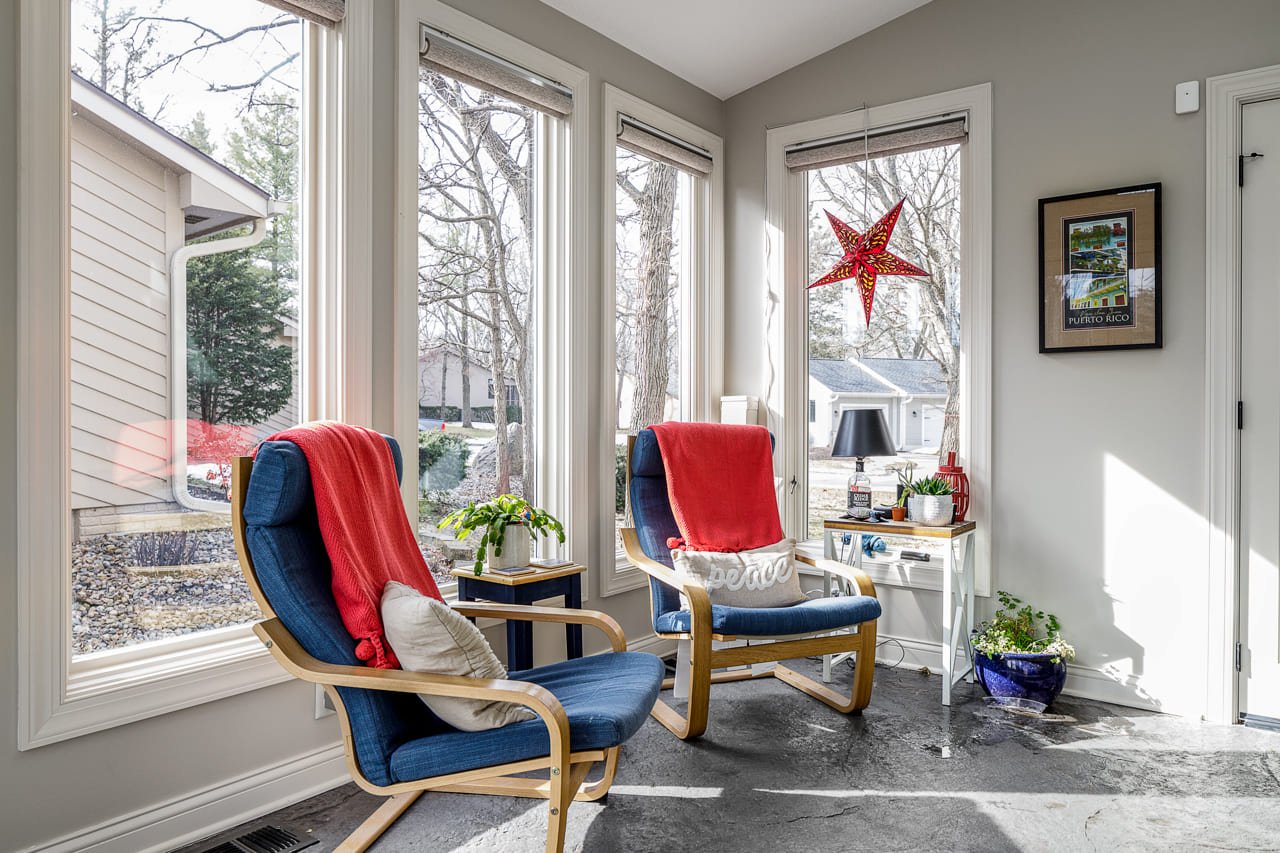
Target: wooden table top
(520, 580)
(900, 528)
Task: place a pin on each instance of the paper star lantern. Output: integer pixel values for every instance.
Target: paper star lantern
(866, 256)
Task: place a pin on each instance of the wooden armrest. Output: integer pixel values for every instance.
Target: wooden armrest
(298, 663)
(696, 593)
(525, 613)
(844, 570)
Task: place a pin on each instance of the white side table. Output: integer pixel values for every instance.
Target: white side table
(957, 584)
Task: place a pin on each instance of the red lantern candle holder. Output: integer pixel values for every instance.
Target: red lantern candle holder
(955, 477)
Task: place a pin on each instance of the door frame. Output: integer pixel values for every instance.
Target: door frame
(1226, 95)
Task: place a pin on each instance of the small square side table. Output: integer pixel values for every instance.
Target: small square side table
(565, 581)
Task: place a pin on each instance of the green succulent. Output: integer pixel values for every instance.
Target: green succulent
(931, 486)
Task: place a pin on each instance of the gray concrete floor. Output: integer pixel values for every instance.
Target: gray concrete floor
(778, 771)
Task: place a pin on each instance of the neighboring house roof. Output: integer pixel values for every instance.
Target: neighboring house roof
(916, 376)
(213, 198)
(847, 377)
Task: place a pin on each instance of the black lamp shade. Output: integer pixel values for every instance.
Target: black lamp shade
(862, 432)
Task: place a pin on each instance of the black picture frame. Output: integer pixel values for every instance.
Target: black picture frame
(1099, 314)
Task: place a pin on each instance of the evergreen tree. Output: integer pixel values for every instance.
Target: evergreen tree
(236, 371)
(265, 151)
(197, 134)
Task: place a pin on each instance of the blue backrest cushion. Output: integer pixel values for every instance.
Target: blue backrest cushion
(651, 512)
(283, 538)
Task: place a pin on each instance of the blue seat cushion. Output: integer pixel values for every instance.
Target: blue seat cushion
(815, 614)
(606, 698)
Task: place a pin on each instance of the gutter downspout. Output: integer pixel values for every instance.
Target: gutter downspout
(178, 355)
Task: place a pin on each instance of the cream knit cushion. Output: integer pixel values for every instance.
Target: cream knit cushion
(428, 635)
(761, 577)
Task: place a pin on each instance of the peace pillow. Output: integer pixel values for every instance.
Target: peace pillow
(760, 577)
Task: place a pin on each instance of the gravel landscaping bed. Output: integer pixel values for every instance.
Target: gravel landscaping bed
(114, 606)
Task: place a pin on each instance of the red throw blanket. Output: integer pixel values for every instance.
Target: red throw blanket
(720, 484)
(363, 525)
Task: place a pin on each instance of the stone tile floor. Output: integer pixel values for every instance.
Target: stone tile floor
(778, 771)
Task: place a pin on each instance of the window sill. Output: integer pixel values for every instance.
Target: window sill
(621, 576)
(113, 688)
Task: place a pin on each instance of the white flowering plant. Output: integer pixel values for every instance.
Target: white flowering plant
(1019, 628)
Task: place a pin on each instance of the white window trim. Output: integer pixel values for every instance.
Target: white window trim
(701, 310)
(786, 268)
(563, 311)
(56, 699)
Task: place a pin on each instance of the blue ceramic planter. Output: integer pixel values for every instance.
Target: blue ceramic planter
(1021, 676)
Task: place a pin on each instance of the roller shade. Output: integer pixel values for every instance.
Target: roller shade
(878, 142)
(635, 135)
(473, 66)
(326, 12)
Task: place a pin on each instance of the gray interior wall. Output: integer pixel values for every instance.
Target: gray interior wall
(1098, 482)
(54, 790)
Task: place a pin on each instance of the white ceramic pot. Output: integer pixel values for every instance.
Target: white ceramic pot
(931, 510)
(515, 549)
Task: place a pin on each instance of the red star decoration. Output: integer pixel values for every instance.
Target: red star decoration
(866, 256)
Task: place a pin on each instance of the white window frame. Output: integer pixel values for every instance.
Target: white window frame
(786, 268)
(701, 308)
(58, 698)
(564, 299)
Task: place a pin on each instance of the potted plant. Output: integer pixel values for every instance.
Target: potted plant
(904, 471)
(1020, 653)
(930, 502)
(507, 522)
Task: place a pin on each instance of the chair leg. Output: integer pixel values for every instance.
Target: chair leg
(863, 676)
(377, 823)
(564, 787)
(695, 724)
(598, 790)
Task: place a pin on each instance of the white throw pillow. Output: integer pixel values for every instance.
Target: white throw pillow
(761, 577)
(428, 635)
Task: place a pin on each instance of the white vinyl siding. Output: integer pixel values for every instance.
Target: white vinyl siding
(120, 247)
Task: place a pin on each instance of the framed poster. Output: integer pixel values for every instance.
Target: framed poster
(1100, 270)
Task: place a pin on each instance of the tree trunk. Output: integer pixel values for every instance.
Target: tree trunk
(444, 381)
(466, 374)
(498, 375)
(652, 318)
(951, 417)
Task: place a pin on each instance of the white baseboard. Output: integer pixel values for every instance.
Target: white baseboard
(653, 644)
(1087, 682)
(191, 817)
(1084, 681)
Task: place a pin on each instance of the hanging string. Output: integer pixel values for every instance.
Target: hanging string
(866, 162)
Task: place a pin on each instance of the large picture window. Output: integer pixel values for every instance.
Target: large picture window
(924, 359)
(490, 347)
(184, 322)
(663, 288)
(476, 303)
(906, 362)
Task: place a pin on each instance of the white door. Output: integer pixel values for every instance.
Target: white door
(932, 420)
(1259, 605)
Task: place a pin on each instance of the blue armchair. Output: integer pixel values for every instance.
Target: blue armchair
(711, 636)
(586, 708)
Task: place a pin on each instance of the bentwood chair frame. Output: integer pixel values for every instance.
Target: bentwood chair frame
(702, 650)
(566, 771)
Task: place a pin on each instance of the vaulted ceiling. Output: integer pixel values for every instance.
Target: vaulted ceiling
(726, 46)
